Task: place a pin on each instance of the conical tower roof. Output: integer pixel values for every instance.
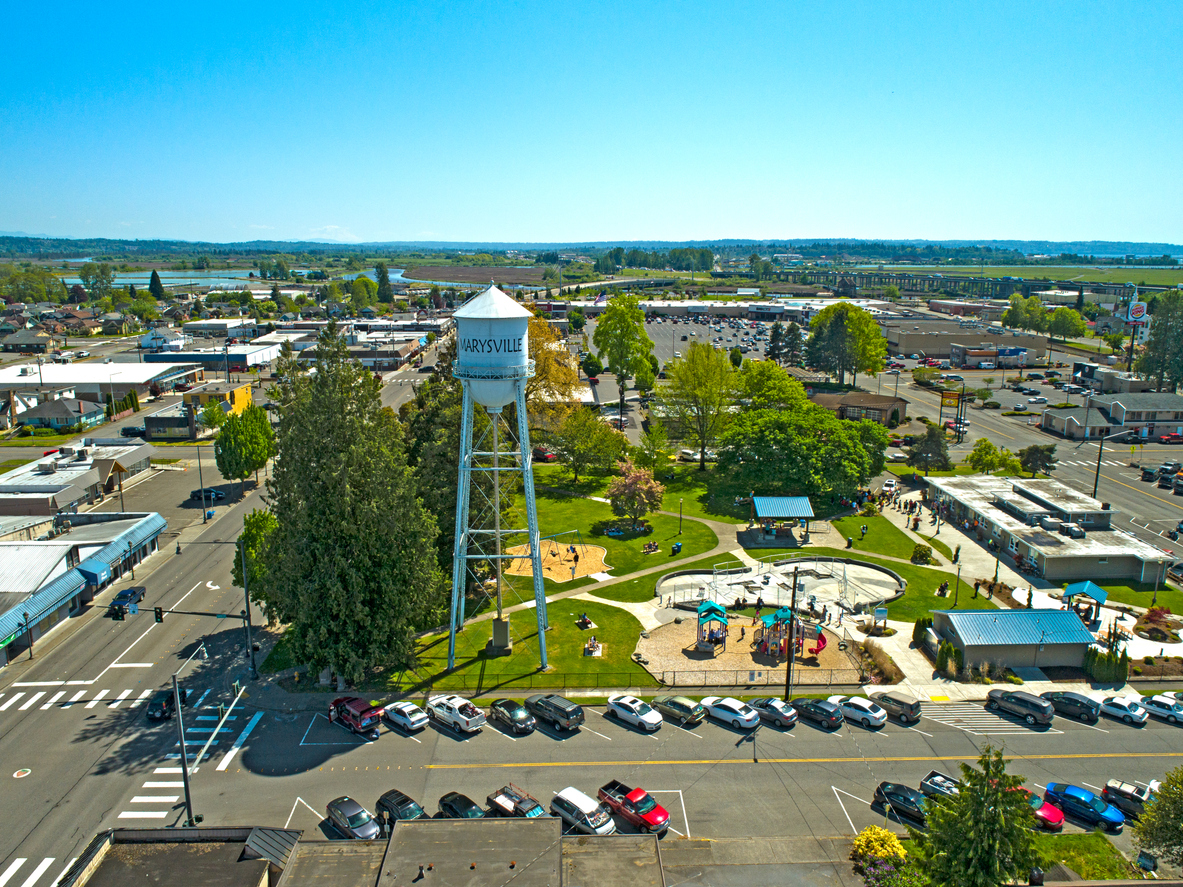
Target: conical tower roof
(492, 304)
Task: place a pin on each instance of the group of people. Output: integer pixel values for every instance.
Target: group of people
(717, 635)
(592, 647)
(650, 548)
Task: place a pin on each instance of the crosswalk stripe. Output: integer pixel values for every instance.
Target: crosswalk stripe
(31, 701)
(155, 799)
(120, 698)
(58, 879)
(97, 698)
(164, 784)
(38, 872)
(11, 870)
(5, 707)
(56, 696)
(140, 698)
(167, 770)
(147, 814)
(74, 698)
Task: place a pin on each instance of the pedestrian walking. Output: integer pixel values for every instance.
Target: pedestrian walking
(576, 558)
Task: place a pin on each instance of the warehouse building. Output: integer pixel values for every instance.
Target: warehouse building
(83, 473)
(1015, 638)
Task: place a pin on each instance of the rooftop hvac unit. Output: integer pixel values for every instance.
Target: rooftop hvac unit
(47, 467)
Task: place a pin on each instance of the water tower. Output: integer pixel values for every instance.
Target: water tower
(492, 364)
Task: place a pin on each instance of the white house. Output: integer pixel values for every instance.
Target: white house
(164, 340)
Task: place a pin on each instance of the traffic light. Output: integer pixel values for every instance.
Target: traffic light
(159, 613)
(117, 614)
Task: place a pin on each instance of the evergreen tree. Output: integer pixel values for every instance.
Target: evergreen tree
(351, 564)
(385, 290)
(155, 287)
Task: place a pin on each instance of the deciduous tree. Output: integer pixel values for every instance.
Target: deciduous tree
(700, 392)
(585, 443)
(983, 835)
(252, 542)
(351, 564)
(761, 384)
(621, 341)
(98, 279)
(653, 451)
(635, 493)
(1038, 458)
(845, 339)
(551, 390)
(1066, 323)
(984, 456)
(1159, 830)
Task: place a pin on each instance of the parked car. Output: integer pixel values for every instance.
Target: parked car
(513, 715)
(562, 714)
(1162, 706)
(938, 783)
(775, 711)
(902, 800)
(211, 495)
(889, 485)
(1083, 805)
(1020, 407)
(163, 705)
(82, 354)
(679, 709)
(542, 454)
(899, 704)
(407, 716)
(632, 710)
(1027, 706)
(1039, 399)
(132, 431)
(731, 711)
(454, 805)
(636, 806)
(123, 601)
(820, 711)
(1172, 438)
(1149, 474)
(1048, 816)
(357, 715)
(351, 819)
(1074, 705)
(1175, 570)
(582, 813)
(398, 807)
(860, 710)
(1130, 798)
(1127, 709)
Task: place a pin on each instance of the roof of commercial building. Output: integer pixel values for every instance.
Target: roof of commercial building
(87, 372)
(528, 851)
(341, 864)
(25, 565)
(1142, 400)
(988, 628)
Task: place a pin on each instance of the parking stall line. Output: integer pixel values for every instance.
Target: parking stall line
(684, 730)
(5, 707)
(601, 735)
(98, 697)
(31, 701)
(146, 814)
(56, 696)
(151, 784)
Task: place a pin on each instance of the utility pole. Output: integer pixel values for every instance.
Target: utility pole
(792, 640)
(189, 823)
(250, 645)
(201, 482)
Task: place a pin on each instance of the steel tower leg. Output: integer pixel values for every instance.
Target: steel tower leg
(532, 519)
(460, 549)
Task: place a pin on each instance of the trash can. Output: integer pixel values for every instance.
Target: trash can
(677, 548)
(210, 513)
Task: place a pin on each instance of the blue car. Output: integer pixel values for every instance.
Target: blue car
(1085, 806)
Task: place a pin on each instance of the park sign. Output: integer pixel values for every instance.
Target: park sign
(1136, 312)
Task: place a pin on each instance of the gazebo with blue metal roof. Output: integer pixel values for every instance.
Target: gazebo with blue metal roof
(767, 509)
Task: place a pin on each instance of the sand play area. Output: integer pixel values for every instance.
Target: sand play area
(558, 559)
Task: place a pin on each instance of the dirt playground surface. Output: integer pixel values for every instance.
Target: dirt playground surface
(477, 274)
(557, 561)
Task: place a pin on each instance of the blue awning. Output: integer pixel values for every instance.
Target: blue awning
(95, 571)
(1088, 589)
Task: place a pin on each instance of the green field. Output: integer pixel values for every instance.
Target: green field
(1102, 274)
(883, 537)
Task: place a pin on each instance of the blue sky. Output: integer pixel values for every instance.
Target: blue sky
(592, 121)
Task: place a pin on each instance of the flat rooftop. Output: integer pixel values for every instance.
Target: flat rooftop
(527, 852)
(208, 863)
(619, 859)
(87, 372)
(336, 864)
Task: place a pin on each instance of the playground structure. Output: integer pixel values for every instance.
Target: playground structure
(712, 628)
(840, 584)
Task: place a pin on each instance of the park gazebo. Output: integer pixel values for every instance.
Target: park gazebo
(777, 515)
(1094, 595)
(712, 627)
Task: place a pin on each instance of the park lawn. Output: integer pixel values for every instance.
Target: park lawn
(561, 514)
(641, 589)
(920, 599)
(617, 629)
(1140, 594)
(1091, 855)
(938, 545)
(883, 537)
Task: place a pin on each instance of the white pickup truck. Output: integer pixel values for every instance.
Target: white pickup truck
(455, 712)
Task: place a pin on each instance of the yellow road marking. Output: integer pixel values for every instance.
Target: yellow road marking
(1141, 490)
(888, 759)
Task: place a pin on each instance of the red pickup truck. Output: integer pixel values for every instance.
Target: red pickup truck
(1172, 438)
(636, 805)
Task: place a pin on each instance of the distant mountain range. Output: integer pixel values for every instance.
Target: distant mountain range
(19, 243)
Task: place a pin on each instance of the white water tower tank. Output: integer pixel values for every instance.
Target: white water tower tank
(491, 347)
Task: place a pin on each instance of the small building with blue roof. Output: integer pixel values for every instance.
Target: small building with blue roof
(1015, 638)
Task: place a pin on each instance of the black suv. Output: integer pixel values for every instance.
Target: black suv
(554, 709)
(1027, 706)
(1074, 705)
(211, 495)
(162, 706)
(398, 806)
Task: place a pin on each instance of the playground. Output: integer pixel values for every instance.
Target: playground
(558, 559)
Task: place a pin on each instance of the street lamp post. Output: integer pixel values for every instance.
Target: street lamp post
(957, 592)
(1100, 448)
(679, 517)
